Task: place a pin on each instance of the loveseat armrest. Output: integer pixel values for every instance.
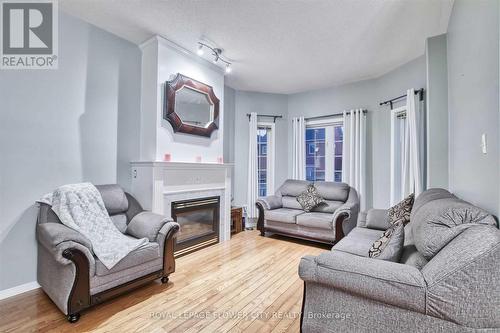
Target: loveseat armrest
(346, 216)
(166, 239)
(270, 202)
(384, 281)
(147, 225)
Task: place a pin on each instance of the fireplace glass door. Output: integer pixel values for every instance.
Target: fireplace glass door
(199, 223)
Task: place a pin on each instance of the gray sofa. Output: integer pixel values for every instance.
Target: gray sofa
(75, 279)
(445, 281)
(327, 223)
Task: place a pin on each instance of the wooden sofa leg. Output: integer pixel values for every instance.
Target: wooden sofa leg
(260, 220)
(164, 279)
(73, 318)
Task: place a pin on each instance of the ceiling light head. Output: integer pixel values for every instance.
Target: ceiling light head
(228, 68)
(200, 49)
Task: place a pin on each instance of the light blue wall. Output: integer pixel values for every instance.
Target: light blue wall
(437, 112)
(77, 123)
(262, 103)
(473, 101)
(365, 94)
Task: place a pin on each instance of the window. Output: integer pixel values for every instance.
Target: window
(265, 158)
(398, 152)
(324, 151)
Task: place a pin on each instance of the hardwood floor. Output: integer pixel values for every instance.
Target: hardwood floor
(248, 284)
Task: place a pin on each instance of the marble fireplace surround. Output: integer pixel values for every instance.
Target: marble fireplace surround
(157, 184)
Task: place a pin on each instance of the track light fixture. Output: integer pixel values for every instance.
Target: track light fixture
(217, 53)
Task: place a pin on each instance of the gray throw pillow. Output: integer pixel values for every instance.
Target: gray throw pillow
(309, 198)
(390, 245)
(401, 211)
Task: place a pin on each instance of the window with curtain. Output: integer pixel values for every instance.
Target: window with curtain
(265, 159)
(398, 153)
(324, 152)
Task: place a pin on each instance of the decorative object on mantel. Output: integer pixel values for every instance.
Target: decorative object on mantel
(167, 157)
(191, 106)
(220, 160)
(198, 159)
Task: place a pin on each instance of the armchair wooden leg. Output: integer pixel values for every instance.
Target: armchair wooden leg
(73, 318)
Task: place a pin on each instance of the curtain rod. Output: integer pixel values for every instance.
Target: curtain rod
(331, 115)
(391, 101)
(267, 115)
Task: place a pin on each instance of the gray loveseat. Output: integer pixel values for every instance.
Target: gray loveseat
(327, 223)
(75, 279)
(445, 281)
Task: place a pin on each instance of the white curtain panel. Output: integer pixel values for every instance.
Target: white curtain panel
(299, 148)
(354, 153)
(412, 180)
(252, 166)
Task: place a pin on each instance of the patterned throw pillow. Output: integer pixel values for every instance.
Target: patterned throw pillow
(401, 211)
(309, 198)
(390, 245)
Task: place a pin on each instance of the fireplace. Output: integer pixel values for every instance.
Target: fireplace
(199, 222)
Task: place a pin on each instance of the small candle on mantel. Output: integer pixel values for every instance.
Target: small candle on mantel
(167, 157)
(220, 160)
(198, 159)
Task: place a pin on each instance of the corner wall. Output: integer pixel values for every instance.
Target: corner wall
(473, 100)
(63, 126)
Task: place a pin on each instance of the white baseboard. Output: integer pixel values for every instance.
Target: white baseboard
(6, 293)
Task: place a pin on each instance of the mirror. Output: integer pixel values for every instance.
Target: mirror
(191, 106)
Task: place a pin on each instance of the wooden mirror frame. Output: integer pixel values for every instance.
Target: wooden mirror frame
(169, 114)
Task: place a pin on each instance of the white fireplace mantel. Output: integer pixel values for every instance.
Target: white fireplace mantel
(156, 184)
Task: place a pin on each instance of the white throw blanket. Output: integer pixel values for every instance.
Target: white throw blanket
(80, 207)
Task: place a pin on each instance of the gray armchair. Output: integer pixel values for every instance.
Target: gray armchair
(74, 278)
(445, 280)
(327, 223)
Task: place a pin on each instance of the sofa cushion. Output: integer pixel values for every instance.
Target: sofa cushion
(114, 198)
(428, 196)
(309, 198)
(148, 252)
(290, 202)
(293, 187)
(120, 221)
(285, 215)
(328, 206)
(377, 219)
(390, 245)
(439, 221)
(412, 257)
(316, 220)
(332, 190)
(358, 241)
(400, 212)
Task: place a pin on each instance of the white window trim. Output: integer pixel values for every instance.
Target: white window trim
(330, 123)
(271, 156)
(394, 115)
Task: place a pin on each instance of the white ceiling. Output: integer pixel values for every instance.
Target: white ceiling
(282, 46)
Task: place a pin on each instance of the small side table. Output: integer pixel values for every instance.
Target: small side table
(236, 219)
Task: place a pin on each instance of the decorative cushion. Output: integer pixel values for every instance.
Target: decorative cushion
(390, 245)
(309, 198)
(401, 211)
